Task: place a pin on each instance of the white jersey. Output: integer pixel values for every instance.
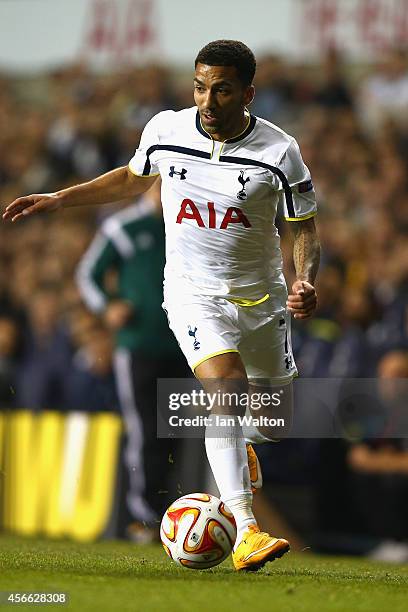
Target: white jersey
(220, 201)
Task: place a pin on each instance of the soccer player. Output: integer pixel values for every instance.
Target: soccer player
(223, 173)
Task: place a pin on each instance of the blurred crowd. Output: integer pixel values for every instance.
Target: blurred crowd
(71, 125)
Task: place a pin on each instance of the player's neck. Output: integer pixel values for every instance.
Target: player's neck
(237, 130)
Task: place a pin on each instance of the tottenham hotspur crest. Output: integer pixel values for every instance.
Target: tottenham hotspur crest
(192, 332)
(242, 194)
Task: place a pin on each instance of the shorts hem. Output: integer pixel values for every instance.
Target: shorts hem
(275, 380)
(221, 352)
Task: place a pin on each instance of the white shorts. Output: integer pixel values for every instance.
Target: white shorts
(210, 326)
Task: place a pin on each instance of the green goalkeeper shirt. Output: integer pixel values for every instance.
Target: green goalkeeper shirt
(131, 242)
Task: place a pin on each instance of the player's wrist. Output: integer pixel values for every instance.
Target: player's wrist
(303, 279)
(61, 198)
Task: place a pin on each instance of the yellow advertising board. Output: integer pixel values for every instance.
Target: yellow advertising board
(58, 472)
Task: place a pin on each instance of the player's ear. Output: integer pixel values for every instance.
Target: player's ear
(249, 94)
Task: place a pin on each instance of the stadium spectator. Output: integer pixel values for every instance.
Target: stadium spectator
(384, 94)
(273, 89)
(89, 384)
(364, 511)
(333, 90)
(380, 467)
(9, 341)
(46, 354)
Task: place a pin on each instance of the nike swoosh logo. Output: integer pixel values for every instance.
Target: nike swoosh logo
(255, 552)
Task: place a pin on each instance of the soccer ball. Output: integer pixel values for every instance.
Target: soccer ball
(198, 531)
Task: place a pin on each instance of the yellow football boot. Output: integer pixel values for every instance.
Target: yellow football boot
(255, 473)
(257, 548)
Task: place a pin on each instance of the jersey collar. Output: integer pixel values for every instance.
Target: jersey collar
(241, 136)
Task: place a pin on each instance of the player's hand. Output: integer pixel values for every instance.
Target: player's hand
(29, 205)
(302, 301)
(117, 314)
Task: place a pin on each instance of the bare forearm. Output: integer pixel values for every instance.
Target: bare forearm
(113, 186)
(306, 251)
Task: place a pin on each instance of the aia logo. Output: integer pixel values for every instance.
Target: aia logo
(192, 332)
(242, 194)
(182, 173)
(189, 210)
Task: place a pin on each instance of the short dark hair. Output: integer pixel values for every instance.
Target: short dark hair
(229, 53)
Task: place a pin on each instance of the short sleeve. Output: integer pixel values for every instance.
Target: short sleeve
(302, 203)
(141, 163)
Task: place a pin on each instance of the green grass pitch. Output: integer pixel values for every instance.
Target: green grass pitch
(114, 575)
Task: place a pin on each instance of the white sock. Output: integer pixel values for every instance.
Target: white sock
(227, 457)
(251, 433)
(241, 508)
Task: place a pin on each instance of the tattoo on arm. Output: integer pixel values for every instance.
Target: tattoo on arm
(306, 250)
